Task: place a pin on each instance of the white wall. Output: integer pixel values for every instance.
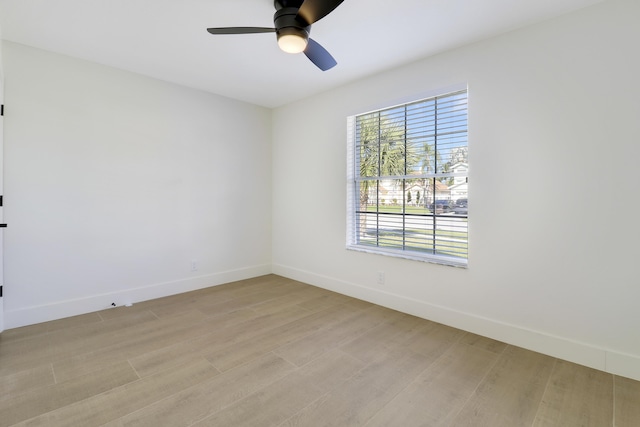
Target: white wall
(114, 182)
(553, 149)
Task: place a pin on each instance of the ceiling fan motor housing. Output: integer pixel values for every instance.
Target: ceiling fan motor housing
(287, 22)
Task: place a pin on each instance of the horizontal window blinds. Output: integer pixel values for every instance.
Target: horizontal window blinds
(408, 180)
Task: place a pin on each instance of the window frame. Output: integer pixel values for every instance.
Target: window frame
(353, 191)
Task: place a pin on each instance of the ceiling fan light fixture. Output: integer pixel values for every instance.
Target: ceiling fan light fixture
(292, 43)
(292, 23)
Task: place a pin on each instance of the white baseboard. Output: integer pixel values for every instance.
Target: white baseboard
(74, 307)
(617, 363)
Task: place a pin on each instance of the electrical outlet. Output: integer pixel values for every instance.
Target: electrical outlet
(194, 265)
(380, 277)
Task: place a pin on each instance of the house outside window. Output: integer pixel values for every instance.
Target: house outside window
(408, 180)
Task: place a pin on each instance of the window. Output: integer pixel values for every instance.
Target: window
(408, 180)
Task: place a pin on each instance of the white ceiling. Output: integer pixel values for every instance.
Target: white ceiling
(167, 39)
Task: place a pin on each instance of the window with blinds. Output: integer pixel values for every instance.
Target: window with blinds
(408, 180)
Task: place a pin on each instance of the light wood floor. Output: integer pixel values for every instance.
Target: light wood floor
(274, 352)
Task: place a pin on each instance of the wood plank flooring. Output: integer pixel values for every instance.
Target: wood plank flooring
(270, 351)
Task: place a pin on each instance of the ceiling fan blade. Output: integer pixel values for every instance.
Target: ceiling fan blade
(319, 56)
(314, 10)
(241, 30)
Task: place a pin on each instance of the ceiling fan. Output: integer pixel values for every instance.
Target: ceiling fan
(292, 22)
